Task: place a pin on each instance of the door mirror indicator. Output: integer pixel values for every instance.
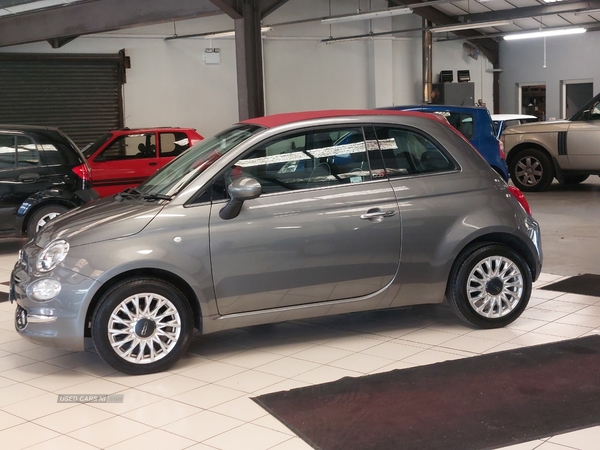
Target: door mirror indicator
(240, 190)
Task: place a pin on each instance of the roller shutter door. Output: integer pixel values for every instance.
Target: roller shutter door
(80, 94)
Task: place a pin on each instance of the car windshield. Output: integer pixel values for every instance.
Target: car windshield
(91, 148)
(181, 171)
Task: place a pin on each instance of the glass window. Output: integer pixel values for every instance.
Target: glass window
(462, 122)
(130, 147)
(595, 111)
(406, 152)
(173, 144)
(27, 153)
(303, 161)
(7, 151)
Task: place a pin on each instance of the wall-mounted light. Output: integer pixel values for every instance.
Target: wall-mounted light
(368, 15)
(231, 33)
(545, 33)
(470, 26)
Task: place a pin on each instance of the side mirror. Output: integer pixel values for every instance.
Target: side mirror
(240, 190)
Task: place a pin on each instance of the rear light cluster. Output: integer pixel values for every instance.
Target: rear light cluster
(83, 171)
(501, 150)
(518, 195)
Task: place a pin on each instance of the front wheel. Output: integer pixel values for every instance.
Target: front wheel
(489, 286)
(531, 170)
(142, 326)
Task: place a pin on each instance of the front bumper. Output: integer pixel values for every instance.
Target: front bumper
(59, 322)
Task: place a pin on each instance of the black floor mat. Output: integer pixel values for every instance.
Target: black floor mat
(483, 402)
(3, 297)
(586, 284)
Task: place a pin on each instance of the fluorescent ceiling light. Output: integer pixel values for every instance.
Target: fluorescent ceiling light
(589, 11)
(470, 26)
(231, 33)
(546, 33)
(368, 15)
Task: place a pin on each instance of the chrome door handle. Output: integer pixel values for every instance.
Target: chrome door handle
(377, 215)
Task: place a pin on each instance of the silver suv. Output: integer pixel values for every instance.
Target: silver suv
(568, 150)
(280, 218)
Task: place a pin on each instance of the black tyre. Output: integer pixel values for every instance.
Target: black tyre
(142, 326)
(573, 179)
(43, 216)
(531, 170)
(489, 286)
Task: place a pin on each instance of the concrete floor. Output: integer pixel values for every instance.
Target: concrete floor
(569, 217)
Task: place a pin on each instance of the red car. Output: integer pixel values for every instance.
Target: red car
(124, 158)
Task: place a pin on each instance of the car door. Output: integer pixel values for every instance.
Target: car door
(170, 145)
(325, 227)
(21, 175)
(124, 162)
(583, 141)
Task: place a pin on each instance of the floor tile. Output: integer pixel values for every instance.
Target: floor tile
(171, 386)
(68, 420)
(62, 443)
(243, 408)
(158, 439)
(253, 436)
(202, 426)
(110, 432)
(36, 407)
(208, 396)
(586, 439)
(9, 420)
(250, 381)
(161, 413)
(24, 435)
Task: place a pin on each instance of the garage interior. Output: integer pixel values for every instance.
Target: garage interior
(91, 65)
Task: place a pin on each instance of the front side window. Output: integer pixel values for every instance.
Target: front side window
(306, 160)
(406, 152)
(595, 111)
(132, 146)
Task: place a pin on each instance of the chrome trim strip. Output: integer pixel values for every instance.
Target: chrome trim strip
(38, 318)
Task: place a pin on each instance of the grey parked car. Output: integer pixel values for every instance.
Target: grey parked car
(281, 218)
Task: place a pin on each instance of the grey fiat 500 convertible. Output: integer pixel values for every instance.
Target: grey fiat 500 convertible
(279, 218)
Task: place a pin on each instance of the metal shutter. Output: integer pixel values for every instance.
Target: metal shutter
(80, 94)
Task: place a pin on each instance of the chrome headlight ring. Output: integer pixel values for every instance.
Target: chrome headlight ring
(52, 255)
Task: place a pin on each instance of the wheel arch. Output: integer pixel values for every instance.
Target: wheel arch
(514, 152)
(159, 274)
(507, 239)
(29, 208)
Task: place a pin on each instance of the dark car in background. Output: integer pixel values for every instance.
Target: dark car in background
(42, 174)
(278, 218)
(122, 159)
(475, 123)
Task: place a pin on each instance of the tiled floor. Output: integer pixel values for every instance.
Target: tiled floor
(204, 401)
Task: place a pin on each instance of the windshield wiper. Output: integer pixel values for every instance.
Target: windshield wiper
(129, 192)
(155, 197)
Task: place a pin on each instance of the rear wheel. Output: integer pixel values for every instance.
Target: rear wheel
(489, 286)
(43, 216)
(142, 326)
(531, 170)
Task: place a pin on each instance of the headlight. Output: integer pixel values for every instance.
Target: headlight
(44, 289)
(52, 255)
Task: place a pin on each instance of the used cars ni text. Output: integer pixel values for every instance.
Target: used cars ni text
(280, 218)
(568, 150)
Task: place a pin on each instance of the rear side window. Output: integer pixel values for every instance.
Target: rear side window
(173, 144)
(58, 149)
(462, 122)
(18, 151)
(407, 153)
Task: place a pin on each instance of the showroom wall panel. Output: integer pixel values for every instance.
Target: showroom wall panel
(567, 58)
(169, 83)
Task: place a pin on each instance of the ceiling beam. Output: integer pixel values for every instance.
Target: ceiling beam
(489, 47)
(229, 7)
(530, 11)
(96, 16)
(269, 6)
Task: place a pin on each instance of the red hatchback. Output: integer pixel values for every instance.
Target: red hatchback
(124, 158)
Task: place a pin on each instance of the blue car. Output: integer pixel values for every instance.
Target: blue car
(475, 123)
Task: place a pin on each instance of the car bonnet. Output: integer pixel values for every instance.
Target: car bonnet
(99, 221)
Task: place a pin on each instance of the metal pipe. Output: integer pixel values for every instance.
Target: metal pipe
(427, 61)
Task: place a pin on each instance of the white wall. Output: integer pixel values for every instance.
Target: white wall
(567, 58)
(170, 85)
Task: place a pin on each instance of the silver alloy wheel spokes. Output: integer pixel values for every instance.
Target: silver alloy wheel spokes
(495, 287)
(45, 219)
(529, 171)
(144, 328)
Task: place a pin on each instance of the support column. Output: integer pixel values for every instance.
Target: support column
(248, 49)
(427, 61)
